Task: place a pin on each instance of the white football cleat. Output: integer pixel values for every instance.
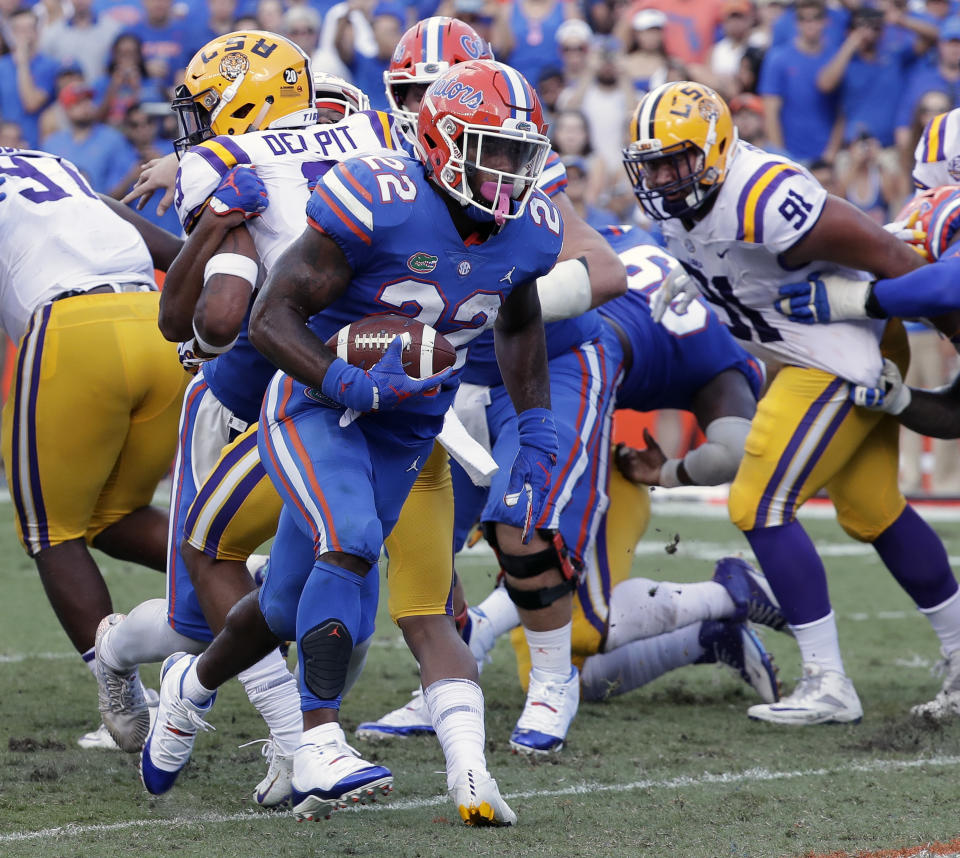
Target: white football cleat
(170, 743)
(101, 740)
(479, 801)
(821, 697)
(120, 696)
(274, 789)
(410, 720)
(947, 702)
(332, 775)
(547, 714)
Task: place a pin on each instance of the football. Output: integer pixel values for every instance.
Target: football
(362, 343)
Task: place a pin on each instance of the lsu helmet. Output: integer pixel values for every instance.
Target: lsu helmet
(241, 82)
(482, 117)
(337, 95)
(425, 52)
(687, 127)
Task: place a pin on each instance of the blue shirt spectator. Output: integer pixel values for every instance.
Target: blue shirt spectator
(943, 76)
(535, 39)
(167, 41)
(99, 151)
(800, 118)
(83, 39)
(126, 81)
(27, 78)
(785, 28)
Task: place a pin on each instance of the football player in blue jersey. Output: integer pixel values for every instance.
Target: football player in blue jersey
(343, 481)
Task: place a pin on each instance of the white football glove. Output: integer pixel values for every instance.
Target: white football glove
(890, 395)
(677, 284)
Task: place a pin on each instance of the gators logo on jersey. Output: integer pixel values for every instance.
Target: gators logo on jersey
(422, 263)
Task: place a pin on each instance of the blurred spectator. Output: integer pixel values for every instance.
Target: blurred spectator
(482, 15)
(800, 119)
(748, 74)
(864, 72)
(785, 29)
(604, 15)
(144, 144)
(301, 25)
(866, 181)
(126, 81)
(826, 175)
(906, 29)
(167, 42)
(646, 60)
(931, 104)
(53, 118)
(218, 21)
(366, 71)
(944, 75)
(245, 22)
(747, 110)
(738, 20)
(26, 76)
(270, 15)
(574, 38)
(99, 151)
(570, 138)
(83, 38)
(529, 41)
(691, 27)
(768, 13)
(606, 96)
(549, 87)
(578, 193)
(359, 14)
(125, 12)
(11, 135)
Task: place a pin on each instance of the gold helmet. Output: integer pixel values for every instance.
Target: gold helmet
(687, 127)
(240, 82)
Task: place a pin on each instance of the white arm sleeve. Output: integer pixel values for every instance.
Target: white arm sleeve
(715, 461)
(564, 291)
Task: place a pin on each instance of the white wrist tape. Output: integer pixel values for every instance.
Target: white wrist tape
(564, 291)
(847, 297)
(234, 264)
(715, 461)
(211, 349)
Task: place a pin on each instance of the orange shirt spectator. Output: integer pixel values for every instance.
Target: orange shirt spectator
(691, 26)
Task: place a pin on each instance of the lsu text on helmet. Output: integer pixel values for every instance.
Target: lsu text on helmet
(425, 52)
(482, 137)
(240, 82)
(682, 138)
(340, 97)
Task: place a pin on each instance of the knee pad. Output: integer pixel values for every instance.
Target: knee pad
(325, 656)
(555, 556)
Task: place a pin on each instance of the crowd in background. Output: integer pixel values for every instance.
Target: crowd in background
(844, 86)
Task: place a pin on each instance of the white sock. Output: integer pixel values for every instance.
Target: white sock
(639, 662)
(550, 651)
(945, 619)
(456, 712)
(498, 610)
(641, 608)
(144, 636)
(273, 692)
(89, 660)
(193, 689)
(819, 643)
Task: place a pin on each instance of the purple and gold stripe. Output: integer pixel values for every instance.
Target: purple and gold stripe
(793, 445)
(933, 136)
(756, 193)
(28, 496)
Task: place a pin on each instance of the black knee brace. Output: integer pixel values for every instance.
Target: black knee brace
(555, 556)
(324, 658)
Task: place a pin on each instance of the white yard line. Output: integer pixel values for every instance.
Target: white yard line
(750, 776)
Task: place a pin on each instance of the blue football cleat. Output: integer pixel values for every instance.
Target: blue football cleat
(750, 593)
(738, 646)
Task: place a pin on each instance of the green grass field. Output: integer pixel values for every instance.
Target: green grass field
(674, 769)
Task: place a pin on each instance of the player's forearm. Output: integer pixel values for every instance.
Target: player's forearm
(928, 291)
(522, 358)
(933, 413)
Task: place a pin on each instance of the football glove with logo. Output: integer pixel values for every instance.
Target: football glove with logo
(240, 190)
(890, 395)
(832, 298)
(525, 500)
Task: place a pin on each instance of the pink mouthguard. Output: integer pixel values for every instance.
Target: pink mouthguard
(489, 190)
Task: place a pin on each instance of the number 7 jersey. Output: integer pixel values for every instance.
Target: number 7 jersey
(764, 207)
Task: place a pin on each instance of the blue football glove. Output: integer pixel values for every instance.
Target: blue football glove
(890, 395)
(832, 298)
(525, 499)
(240, 190)
(381, 388)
